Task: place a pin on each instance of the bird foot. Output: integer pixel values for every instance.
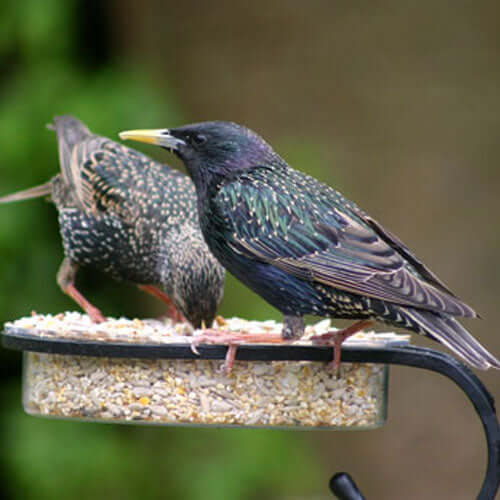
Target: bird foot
(337, 338)
(66, 277)
(232, 340)
(94, 313)
(172, 312)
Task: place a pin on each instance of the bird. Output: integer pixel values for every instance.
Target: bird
(305, 248)
(132, 218)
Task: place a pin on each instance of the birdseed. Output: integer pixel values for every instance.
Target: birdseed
(168, 391)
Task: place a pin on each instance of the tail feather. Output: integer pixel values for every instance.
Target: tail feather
(70, 132)
(27, 194)
(453, 335)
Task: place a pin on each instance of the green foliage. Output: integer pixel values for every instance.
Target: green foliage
(46, 81)
(44, 458)
(54, 459)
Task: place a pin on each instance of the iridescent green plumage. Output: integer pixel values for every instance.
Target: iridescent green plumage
(292, 221)
(305, 248)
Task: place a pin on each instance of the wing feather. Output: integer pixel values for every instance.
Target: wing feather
(314, 233)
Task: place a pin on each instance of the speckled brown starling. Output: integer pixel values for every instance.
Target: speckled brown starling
(131, 217)
(305, 248)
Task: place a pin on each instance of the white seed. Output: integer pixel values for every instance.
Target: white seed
(179, 391)
(221, 406)
(161, 411)
(140, 392)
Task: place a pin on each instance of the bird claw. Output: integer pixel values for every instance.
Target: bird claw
(212, 337)
(227, 367)
(232, 340)
(335, 340)
(324, 339)
(194, 347)
(96, 315)
(335, 367)
(172, 312)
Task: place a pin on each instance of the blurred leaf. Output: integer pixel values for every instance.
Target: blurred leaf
(53, 459)
(44, 458)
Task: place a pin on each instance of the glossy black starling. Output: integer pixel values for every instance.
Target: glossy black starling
(305, 248)
(133, 218)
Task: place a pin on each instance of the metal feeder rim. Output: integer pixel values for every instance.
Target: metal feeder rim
(20, 339)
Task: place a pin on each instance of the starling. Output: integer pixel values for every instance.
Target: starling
(304, 247)
(133, 218)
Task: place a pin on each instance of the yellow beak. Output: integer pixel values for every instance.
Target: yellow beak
(158, 137)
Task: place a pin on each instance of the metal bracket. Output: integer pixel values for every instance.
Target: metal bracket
(342, 484)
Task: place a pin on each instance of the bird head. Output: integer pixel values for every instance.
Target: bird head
(211, 150)
(194, 279)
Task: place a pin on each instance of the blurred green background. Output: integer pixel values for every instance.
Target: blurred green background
(395, 103)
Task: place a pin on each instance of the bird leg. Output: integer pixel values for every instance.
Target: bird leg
(66, 277)
(233, 340)
(293, 328)
(338, 337)
(172, 312)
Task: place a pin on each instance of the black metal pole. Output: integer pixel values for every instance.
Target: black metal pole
(344, 488)
(428, 359)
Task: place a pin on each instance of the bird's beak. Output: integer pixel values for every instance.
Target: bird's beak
(158, 137)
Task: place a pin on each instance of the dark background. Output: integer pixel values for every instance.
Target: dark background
(397, 104)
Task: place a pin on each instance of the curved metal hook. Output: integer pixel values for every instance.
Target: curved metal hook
(344, 487)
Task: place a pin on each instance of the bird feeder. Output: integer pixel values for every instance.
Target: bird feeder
(146, 372)
(127, 371)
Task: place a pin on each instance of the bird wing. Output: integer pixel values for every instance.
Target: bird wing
(294, 222)
(102, 176)
(100, 184)
(120, 180)
(87, 182)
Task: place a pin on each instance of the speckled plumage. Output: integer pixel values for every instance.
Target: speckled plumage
(133, 218)
(305, 248)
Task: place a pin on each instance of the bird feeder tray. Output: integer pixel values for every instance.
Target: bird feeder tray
(145, 371)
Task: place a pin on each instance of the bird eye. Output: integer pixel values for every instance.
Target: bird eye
(199, 139)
